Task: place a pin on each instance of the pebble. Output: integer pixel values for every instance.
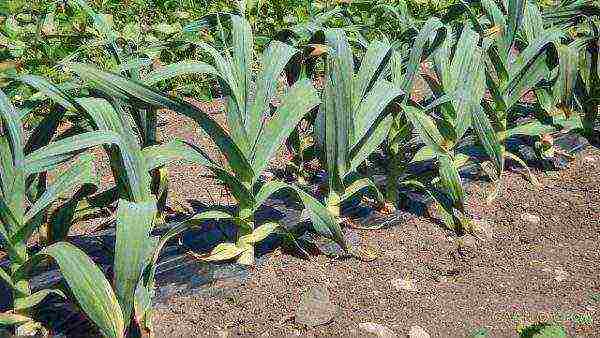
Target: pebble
(315, 308)
(467, 241)
(377, 329)
(561, 274)
(417, 332)
(404, 284)
(483, 228)
(530, 218)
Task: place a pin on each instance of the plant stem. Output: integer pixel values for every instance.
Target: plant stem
(333, 204)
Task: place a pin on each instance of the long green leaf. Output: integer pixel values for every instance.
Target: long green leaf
(133, 250)
(179, 69)
(426, 128)
(48, 157)
(337, 104)
(80, 172)
(275, 58)
(488, 138)
(300, 100)
(118, 86)
(91, 289)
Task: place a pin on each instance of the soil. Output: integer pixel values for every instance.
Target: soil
(534, 259)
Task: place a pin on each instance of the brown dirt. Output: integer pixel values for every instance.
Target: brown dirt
(517, 272)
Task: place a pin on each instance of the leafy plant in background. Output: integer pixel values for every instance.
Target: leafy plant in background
(458, 89)
(542, 330)
(24, 164)
(353, 120)
(540, 58)
(404, 67)
(256, 134)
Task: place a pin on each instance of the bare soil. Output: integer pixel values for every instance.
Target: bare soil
(534, 259)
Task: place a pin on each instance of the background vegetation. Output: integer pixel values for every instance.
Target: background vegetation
(444, 83)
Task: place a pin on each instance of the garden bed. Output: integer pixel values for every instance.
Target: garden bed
(535, 259)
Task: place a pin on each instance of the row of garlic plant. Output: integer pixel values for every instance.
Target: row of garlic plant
(508, 51)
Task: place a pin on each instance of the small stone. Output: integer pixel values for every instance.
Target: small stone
(530, 218)
(467, 241)
(590, 159)
(396, 254)
(404, 284)
(315, 308)
(561, 274)
(483, 228)
(418, 332)
(377, 329)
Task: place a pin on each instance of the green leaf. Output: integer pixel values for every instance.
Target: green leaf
(433, 25)
(223, 252)
(179, 69)
(123, 88)
(301, 99)
(372, 108)
(48, 157)
(241, 62)
(80, 172)
(369, 143)
(425, 153)
(515, 18)
(451, 181)
(133, 250)
(533, 128)
(337, 106)
(274, 59)
(166, 153)
(322, 220)
(6, 278)
(544, 330)
(370, 71)
(91, 289)
(426, 128)
(488, 138)
(360, 185)
(49, 89)
(267, 190)
(36, 298)
(567, 75)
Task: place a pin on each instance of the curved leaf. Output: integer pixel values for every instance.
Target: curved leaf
(179, 69)
(91, 289)
(300, 100)
(48, 157)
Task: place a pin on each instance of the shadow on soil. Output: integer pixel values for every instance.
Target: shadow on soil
(179, 273)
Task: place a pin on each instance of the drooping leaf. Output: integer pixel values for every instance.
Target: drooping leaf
(89, 286)
(36, 298)
(260, 233)
(80, 172)
(55, 153)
